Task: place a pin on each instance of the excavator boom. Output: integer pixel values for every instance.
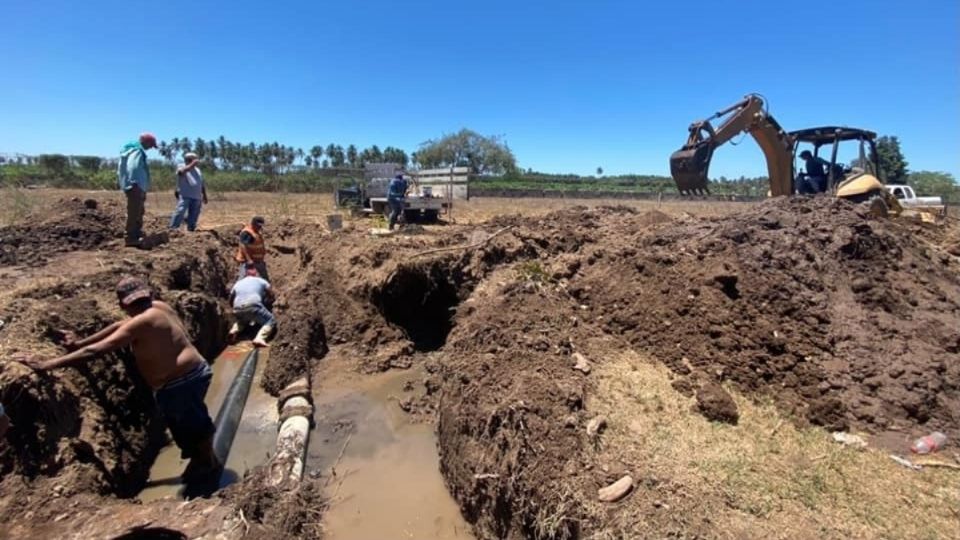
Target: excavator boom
(690, 165)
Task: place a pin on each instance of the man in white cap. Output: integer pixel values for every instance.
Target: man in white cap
(191, 193)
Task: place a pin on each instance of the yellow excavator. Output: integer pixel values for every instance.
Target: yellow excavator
(689, 165)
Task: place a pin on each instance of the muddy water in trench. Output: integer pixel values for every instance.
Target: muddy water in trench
(388, 482)
(256, 435)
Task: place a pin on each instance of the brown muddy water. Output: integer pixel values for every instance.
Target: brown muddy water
(256, 434)
(386, 481)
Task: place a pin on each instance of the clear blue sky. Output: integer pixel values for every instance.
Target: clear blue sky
(570, 85)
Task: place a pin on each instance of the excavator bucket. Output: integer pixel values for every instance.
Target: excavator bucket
(689, 166)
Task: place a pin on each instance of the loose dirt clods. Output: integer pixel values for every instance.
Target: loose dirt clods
(714, 403)
(689, 362)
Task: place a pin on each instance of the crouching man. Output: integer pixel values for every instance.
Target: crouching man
(249, 296)
(167, 361)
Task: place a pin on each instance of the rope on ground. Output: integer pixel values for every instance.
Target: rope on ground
(468, 246)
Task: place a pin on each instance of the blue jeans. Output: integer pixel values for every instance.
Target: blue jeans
(811, 185)
(254, 313)
(181, 404)
(190, 207)
(396, 208)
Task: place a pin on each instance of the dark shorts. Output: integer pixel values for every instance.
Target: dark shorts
(181, 403)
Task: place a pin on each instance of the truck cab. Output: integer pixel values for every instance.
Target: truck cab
(909, 199)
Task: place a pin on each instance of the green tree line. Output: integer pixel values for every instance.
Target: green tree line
(274, 158)
(233, 166)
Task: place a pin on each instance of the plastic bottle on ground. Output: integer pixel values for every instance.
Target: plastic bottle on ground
(928, 444)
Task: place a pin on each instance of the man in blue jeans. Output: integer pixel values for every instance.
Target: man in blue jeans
(191, 193)
(396, 193)
(168, 363)
(249, 296)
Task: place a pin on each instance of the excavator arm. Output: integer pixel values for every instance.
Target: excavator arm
(690, 164)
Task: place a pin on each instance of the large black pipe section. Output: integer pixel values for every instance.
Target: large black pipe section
(228, 418)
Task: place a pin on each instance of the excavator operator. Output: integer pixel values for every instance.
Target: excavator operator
(815, 179)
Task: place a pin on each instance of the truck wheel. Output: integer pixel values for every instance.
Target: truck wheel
(411, 216)
(431, 216)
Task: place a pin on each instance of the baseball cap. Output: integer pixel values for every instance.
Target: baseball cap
(148, 139)
(258, 219)
(131, 289)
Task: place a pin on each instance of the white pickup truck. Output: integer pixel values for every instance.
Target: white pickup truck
(908, 199)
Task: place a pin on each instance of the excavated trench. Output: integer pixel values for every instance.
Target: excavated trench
(254, 439)
(95, 428)
(422, 300)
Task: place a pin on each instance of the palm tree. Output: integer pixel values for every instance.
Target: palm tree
(352, 155)
(224, 151)
(200, 147)
(165, 151)
(316, 153)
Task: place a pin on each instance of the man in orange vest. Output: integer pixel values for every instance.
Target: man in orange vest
(252, 251)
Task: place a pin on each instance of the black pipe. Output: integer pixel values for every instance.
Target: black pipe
(228, 417)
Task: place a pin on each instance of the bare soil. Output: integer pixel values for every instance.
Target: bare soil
(806, 311)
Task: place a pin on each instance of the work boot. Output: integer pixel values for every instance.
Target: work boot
(262, 335)
(204, 465)
(234, 332)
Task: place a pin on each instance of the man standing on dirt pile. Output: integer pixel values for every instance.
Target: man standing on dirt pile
(166, 360)
(133, 174)
(396, 193)
(248, 297)
(191, 193)
(252, 252)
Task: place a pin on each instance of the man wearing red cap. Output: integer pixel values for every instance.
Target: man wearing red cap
(133, 174)
(167, 361)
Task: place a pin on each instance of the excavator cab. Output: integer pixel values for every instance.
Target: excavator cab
(856, 182)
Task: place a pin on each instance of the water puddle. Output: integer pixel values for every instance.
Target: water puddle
(388, 482)
(256, 435)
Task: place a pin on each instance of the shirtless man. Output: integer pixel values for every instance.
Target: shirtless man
(168, 362)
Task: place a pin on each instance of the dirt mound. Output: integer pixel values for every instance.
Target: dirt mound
(70, 225)
(840, 320)
(845, 320)
(301, 339)
(96, 428)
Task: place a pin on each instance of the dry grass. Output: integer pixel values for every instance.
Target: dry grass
(15, 204)
(763, 477)
(228, 208)
(477, 210)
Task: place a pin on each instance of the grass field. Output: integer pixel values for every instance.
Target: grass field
(236, 207)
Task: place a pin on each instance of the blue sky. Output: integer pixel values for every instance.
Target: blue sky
(570, 85)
